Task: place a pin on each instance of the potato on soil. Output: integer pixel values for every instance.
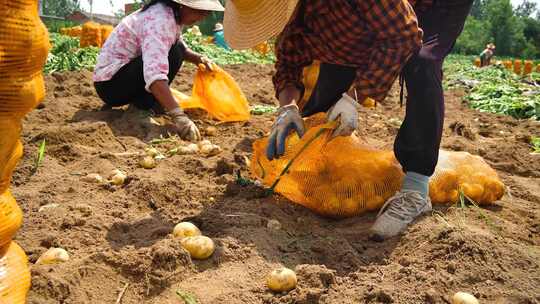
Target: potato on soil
(53, 256)
(464, 298)
(282, 279)
(199, 247)
(185, 229)
(148, 162)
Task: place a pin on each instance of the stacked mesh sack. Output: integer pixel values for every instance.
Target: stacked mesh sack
(75, 31)
(344, 176)
(24, 45)
(91, 35)
(106, 31)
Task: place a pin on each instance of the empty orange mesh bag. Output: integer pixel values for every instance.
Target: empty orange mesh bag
(346, 177)
(216, 92)
(14, 274)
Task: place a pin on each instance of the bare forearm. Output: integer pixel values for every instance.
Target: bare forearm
(161, 91)
(289, 95)
(193, 57)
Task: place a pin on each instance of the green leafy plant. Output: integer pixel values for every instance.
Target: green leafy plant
(222, 56)
(263, 109)
(40, 155)
(494, 89)
(187, 297)
(66, 55)
(535, 143)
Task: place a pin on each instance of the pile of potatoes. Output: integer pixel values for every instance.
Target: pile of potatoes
(200, 247)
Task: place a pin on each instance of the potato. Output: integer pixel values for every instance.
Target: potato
(282, 279)
(199, 247)
(273, 225)
(203, 143)
(118, 179)
(92, 178)
(211, 131)
(148, 162)
(210, 150)
(115, 172)
(189, 149)
(185, 229)
(464, 298)
(152, 152)
(53, 256)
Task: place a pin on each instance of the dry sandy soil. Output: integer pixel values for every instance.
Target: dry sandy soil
(121, 235)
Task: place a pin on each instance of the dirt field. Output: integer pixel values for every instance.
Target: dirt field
(121, 235)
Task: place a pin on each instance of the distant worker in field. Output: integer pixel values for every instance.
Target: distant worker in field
(143, 54)
(219, 38)
(363, 46)
(487, 54)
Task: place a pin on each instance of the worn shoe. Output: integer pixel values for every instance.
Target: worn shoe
(397, 213)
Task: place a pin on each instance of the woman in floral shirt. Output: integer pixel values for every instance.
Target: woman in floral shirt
(143, 54)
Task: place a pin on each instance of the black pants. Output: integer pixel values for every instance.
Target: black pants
(418, 140)
(128, 86)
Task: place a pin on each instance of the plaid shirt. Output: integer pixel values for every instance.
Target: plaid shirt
(375, 36)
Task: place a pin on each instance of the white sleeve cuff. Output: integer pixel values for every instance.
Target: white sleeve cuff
(152, 79)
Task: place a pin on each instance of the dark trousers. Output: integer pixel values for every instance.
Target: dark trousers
(128, 86)
(418, 140)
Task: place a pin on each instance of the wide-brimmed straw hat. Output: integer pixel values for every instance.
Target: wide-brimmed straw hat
(204, 5)
(250, 22)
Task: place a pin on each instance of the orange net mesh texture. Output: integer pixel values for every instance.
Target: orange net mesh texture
(24, 45)
(217, 93)
(91, 35)
(14, 274)
(528, 67)
(106, 31)
(346, 177)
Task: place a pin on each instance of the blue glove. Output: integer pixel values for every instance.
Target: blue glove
(288, 119)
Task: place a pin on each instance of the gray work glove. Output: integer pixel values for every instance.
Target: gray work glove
(185, 128)
(288, 119)
(346, 110)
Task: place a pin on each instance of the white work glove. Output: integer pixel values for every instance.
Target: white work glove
(346, 110)
(185, 128)
(288, 119)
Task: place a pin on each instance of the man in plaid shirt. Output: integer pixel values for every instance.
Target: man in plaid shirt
(363, 46)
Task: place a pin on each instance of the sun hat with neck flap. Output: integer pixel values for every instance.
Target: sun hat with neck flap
(250, 22)
(204, 5)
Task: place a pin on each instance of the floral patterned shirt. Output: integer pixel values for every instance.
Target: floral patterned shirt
(150, 33)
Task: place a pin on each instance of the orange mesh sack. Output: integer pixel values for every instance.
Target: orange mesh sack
(528, 67)
(340, 178)
(470, 174)
(217, 93)
(517, 66)
(106, 31)
(91, 35)
(346, 177)
(310, 75)
(14, 274)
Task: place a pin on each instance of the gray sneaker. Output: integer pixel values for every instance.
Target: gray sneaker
(397, 213)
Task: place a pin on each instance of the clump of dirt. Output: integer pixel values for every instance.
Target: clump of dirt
(120, 236)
